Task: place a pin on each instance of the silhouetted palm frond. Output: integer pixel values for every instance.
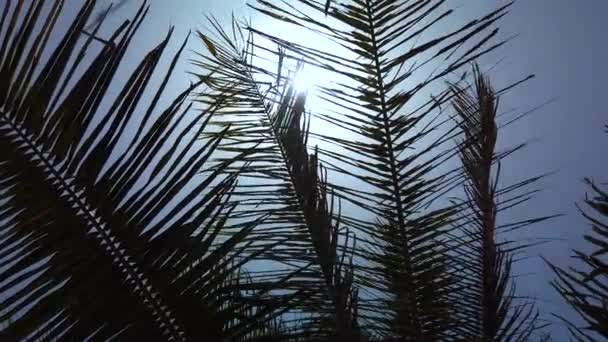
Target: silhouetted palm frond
(285, 177)
(103, 233)
(586, 290)
(487, 308)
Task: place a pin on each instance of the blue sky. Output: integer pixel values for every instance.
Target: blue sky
(561, 41)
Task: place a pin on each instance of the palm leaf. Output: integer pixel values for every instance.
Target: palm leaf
(488, 308)
(586, 290)
(285, 177)
(103, 233)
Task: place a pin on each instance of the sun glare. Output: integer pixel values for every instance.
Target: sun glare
(305, 80)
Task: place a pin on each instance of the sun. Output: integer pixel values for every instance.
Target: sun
(305, 80)
(309, 77)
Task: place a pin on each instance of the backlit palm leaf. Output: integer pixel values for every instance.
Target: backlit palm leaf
(281, 175)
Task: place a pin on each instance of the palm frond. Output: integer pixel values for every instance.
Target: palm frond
(487, 307)
(286, 178)
(586, 290)
(103, 234)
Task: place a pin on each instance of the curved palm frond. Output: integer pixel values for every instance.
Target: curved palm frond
(586, 290)
(103, 234)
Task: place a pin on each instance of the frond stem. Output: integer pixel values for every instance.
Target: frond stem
(393, 167)
(338, 304)
(151, 298)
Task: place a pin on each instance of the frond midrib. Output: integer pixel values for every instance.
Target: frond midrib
(151, 299)
(398, 205)
(327, 276)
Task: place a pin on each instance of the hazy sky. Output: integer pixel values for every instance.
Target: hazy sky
(558, 40)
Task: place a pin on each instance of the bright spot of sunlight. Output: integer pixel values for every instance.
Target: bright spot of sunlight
(308, 78)
(305, 79)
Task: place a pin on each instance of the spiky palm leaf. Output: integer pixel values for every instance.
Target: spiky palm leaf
(397, 146)
(285, 177)
(102, 233)
(487, 308)
(586, 290)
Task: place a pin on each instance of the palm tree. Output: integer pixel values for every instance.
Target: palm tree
(586, 289)
(103, 233)
(406, 264)
(215, 219)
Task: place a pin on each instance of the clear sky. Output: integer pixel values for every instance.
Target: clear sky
(562, 42)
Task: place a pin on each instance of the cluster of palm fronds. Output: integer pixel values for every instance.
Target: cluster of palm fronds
(216, 218)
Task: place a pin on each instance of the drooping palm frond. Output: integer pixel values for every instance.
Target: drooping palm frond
(108, 232)
(586, 290)
(487, 308)
(285, 177)
(392, 161)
